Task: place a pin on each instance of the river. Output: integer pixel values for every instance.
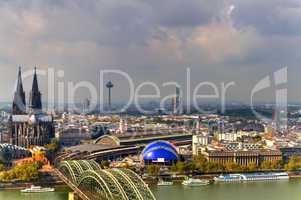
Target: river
(59, 194)
(278, 190)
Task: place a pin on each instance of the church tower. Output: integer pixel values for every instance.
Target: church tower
(35, 101)
(33, 127)
(19, 103)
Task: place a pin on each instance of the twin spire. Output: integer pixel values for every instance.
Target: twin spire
(35, 95)
(35, 101)
(19, 103)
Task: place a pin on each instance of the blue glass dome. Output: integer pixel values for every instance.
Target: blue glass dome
(160, 143)
(160, 151)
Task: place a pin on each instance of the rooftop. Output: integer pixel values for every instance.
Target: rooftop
(90, 148)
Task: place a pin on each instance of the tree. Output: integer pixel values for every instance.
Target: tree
(153, 170)
(257, 138)
(215, 167)
(2, 167)
(252, 166)
(277, 164)
(174, 168)
(25, 172)
(55, 144)
(266, 165)
(39, 155)
(189, 167)
(104, 164)
(52, 149)
(232, 167)
(180, 167)
(201, 163)
(39, 164)
(293, 164)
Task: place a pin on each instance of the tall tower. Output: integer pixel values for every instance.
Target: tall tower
(35, 101)
(109, 85)
(176, 102)
(19, 103)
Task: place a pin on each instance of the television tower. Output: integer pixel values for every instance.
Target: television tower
(109, 85)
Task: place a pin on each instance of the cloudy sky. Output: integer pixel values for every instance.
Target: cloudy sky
(219, 40)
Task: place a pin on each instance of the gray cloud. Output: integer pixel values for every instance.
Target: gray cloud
(152, 40)
(178, 13)
(270, 17)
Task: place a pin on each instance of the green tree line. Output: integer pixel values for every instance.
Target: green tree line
(25, 172)
(201, 165)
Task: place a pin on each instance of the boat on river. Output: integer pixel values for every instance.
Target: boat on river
(164, 183)
(252, 177)
(37, 189)
(195, 182)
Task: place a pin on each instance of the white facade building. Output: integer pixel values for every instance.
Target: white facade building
(200, 141)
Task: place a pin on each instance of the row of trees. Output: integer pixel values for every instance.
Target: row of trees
(293, 164)
(153, 170)
(201, 165)
(24, 172)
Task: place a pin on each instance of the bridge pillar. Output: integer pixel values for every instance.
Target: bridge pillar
(73, 196)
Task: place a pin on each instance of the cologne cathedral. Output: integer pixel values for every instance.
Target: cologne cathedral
(29, 125)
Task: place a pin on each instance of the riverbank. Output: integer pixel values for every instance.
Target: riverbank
(152, 180)
(45, 180)
(20, 186)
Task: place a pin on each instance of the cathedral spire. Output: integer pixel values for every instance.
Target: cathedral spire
(35, 95)
(19, 104)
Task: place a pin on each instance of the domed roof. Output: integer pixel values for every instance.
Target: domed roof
(160, 143)
(160, 150)
(9, 151)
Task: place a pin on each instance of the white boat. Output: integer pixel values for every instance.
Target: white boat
(37, 189)
(164, 183)
(195, 182)
(252, 177)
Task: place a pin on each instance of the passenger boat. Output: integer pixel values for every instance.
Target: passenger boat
(195, 182)
(37, 189)
(164, 183)
(252, 177)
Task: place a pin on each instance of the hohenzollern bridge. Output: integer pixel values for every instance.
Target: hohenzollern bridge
(90, 182)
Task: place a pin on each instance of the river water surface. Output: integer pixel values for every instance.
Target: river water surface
(278, 190)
